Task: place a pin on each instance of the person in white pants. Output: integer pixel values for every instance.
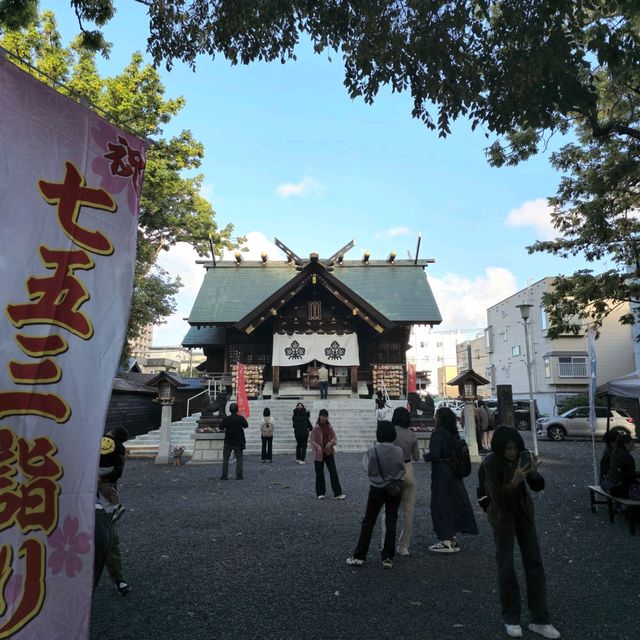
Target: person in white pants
(408, 442)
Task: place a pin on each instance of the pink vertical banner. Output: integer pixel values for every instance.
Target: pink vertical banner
(411, 378)
(69, 193)
(241, 393)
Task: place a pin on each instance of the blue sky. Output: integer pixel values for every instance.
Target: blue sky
(290, 155)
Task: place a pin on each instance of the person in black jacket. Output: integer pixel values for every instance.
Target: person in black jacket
(233, 426)
(609, 439)
(301, 428)
(451, 511)
(506, 473)
(622, 469)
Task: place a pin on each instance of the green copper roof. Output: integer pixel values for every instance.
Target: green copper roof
(399, 291)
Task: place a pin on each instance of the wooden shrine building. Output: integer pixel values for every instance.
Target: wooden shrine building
(282, 319)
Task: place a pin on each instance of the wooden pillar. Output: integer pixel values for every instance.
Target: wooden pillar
(354, 379)
(505, 406)
(276, 380)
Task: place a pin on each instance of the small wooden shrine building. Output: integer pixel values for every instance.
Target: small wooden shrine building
(282, 319)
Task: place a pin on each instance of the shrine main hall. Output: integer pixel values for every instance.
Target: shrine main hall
(283, 319)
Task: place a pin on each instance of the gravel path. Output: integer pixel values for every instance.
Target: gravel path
(263, 558)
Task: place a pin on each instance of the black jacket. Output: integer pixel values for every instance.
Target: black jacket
(233, 426)
(301, 422)
(622, 472)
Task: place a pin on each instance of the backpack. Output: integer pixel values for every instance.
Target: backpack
(459, 459)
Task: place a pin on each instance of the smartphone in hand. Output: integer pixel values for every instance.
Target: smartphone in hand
(525, 457)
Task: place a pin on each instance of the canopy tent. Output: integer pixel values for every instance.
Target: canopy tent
(625, 387)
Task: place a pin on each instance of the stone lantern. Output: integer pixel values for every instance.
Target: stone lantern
(166, 383)
(468, 383)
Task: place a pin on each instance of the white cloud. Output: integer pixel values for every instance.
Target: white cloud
(393, 232)
(308, 186)
(257, 243)
(206, 191)
(536, 214)
(463, 302)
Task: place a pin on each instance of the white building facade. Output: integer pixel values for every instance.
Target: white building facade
(560, 367)
(431, 351)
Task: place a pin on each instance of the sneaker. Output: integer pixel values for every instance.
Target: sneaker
(387, 563)
(340, 497)
(513, 630)
(320, 497)
(545, 630)
(455, 544)
(403, 551)
(354, 562)
(444, 546)
(123, 588)
(117, 513)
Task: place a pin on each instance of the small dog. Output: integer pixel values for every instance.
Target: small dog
(177, 455)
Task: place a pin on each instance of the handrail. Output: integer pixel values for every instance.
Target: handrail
(207, 390)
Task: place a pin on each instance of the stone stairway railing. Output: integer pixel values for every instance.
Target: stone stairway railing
(352, 419)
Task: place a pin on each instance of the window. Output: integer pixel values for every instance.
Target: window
(572, 367)
(315, 310)
(476, 354)
(488, 339)
(505, 335)
(582, 412)
(515, 351)
(543, 319)
(547, 368)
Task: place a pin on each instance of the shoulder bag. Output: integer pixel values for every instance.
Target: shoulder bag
(392, 487)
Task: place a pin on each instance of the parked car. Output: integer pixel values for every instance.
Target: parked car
(575, 423)
(521, 416)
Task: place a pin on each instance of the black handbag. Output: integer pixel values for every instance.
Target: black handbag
(393, 487)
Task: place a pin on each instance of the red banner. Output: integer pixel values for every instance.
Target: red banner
(241, 394)
(411, 378)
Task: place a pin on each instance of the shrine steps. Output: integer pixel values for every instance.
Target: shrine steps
(352, 419)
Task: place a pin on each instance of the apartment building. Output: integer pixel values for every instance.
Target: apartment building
(430, 351)
(560, 367)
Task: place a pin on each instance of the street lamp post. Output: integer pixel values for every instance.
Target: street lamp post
(525, 310)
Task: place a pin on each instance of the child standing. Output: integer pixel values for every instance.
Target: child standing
(507, 472)
(266, 434)
(383, 462)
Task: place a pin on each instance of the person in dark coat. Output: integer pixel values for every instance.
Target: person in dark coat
(622, 470)
(507, 472)
(301, 428)
(609, 439)
(451, 510)
(233, 426)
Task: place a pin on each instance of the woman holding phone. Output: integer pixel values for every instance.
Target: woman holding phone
(507, 472)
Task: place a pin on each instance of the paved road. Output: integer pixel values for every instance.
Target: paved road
(263, 558)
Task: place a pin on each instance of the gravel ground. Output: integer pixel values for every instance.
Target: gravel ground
(263, 558)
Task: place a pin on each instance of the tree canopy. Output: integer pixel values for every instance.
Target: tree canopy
(521, 70)
(171, 208)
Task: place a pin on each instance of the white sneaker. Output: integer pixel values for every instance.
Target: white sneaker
(403, 552)
(513, 630)
(320, 497)
(354, 562)
(340, 497)
(444, 546)
(545, 630)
